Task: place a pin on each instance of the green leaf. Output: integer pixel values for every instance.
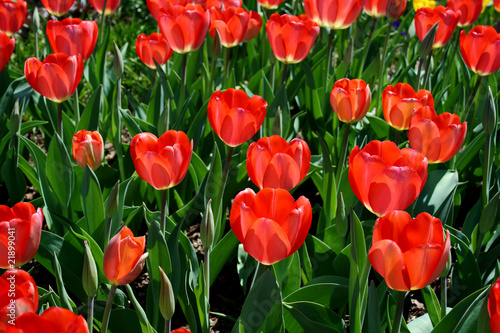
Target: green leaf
(329, 291)
(93, 205)
(220, 254)
(311, 317)
(65, 301)
(159, 256)
(212, 188)
(431, 304)
(141, 315)
(60, 170)
(90, 116)
(13, 177)
(373, 311)
(287, 273)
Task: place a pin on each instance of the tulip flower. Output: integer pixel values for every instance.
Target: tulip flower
(234, 117)
(154, 46)
(395, 9)
(111, 6)
(494, 307)
(385, 178)
(58, 7)
(20, 231)
(32, 323)
(400, 101)
(438, 138)
(271, 225)
(222, 4)
(350, 99)
(469, 10)
(291, 37)
(231, 23)
(24, 297)
(496, 4)
(124, 257)
(272, 162)
(425, 18)
(88, 149)
(334, 14)
(184, 27)
(254, 26)
(376, 8)
(181, 330)
(162, 162)
(57, 77)
(6, 49)
(409, 253)
(156, 6)
(12, 16)
(270, 4)
(72, 36)
(65, 321)
(480, 49)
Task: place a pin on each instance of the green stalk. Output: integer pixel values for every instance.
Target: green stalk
(328, 58)
(90, 314)
(207, 274)
(486, 171)
(103, 22)
(283, 75)
(59, 119)
(370, 35)
(471, 99)
(399, 311)
(444, 297)
(183, 82)
(168, 326)
(76, 107)
(119, 153)
(163, 214)
(396, 138)
(343, 152)
(382, 69)
(223, 185)
(453, 53)
(427, 69)
(107, 309)
(107, 234)
(227, 59)
(419, 73)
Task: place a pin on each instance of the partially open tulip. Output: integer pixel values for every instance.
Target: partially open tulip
(395, 9)
(111, 6)
(385, 178)
(350, 99)
(270, 4)
(231, 23)
(272, 162)
(400, 101)
(334, 14)
(57, 77)
(6, 49)
(162, 162)
(409, 253)
(72, 36)
(12, 15)
(379, 8)
(480, 49)
(271, 225)
(20, 231)
(291, 37)
(88, 149)
(58, 7)
(154, 46)
(438, 138)
(184, 27)
(494, 307)
(254, 26)
(426, 17)
(156, 6)
(469, 10)
(124, 257)
(234, 117)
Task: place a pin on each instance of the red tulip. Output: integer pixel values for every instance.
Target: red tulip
(58, 7)
(32, 323)
(469, 10)
(400, 101)
(291, 37)
(254, 26)
(395, 9)
(124, 257)
(88, 149)
(12, 16)
(72, 36)
(409, 253)
(181, 330)
(334, 14)
(20, 231)
(496, 4)
(234, 117)
(57, 77)
(184, 27)
(350, 99)
(111, 6)
(6, 49)
(270, 4)
(161, 162)
(385, 178)
(272, 162)
(232, 24)
(438, 138)
(156, 6)
(376, 8)
(494, 307)
(480, 49)
(426, 17)
(18, 295)
(64, 320)
(222, 4)
(270, 224)
(154, 46)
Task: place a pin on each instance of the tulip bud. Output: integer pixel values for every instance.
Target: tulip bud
(489, 114)
(428, 42)
(113, 198)
(118, 61)
(207, 228)
(88, 149)
(36, 19)
(216, 47)
(167, 300)
(89, 278)
(395, 8)
(340, 217)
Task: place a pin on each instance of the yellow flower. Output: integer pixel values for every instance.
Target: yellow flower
(425, 3)
(485, 3)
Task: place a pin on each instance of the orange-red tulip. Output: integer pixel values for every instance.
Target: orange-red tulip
(496, 4)
(350, 99)
(156, 6)
(438, 138)
(181, 330)
(409, 253)
(222, 4)
(20, 230)
(231, 23)
(395, 9)
(12, 15)
(291, 37)
(469, 10)
(72, 36)
(88, 149)
(480, 49)
(162, 162)
(52, 320)
(154, 46)
(32, 323)
(254, 26)
(57, 77)
(124, 257)
(111, 6)
(58, 7)
(385, 178)
(272, 162)
(379, 8)
(400, 101)
(494, 307)
(6, 49)
(270, 4)
(271, 225)
(426, 17)
(334, 14)
(184, 27)
(234, 117)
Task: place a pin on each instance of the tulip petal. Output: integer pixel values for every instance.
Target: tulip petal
(387, 259)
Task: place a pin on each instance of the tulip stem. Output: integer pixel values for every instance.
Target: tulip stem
(343, 152)
(226, 65)
(168, 326)
(103, 22)
(207, 274)
(368, 42)
(183, 82)
(382, 70)
(90, 314)
(222, 186)
(419, 73)
(329, 60)
(486, 172)
(399, 311)
(163, 211)
(76, 107)
(427, 69)
(471, 98)
(283, 75)
(444, 297)
(107, 309)
(396, 138)
(59, 119)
